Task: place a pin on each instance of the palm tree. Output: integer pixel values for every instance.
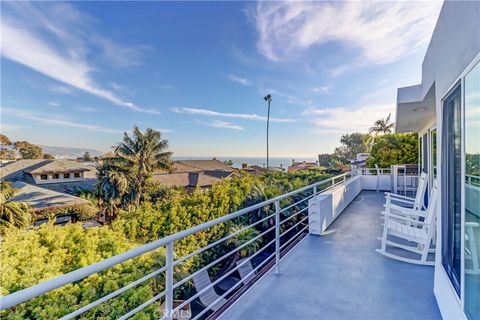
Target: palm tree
(382, 126)
(14, 213)
(112, 185)
(142, 154)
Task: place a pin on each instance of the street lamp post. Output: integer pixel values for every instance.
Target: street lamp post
(268, 98)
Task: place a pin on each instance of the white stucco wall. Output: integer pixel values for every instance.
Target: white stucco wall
(61, 179)
(454, 45)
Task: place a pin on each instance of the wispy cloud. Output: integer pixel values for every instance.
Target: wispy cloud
(60, 89)
(211, 113)
(9, 127)
(163, 130)
(54, 103)
(383, 32)
(223, 124)
(343, 120)
(55, 39)
(56, 120)
(321, 89)
(86, 109)
(238, 79)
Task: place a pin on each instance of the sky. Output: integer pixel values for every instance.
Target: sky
(80, 74)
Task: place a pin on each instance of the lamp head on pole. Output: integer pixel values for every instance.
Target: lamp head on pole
(268, 97)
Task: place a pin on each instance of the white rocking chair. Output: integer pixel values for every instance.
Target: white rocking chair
(405, 228)
(403, 205)
(209, 296)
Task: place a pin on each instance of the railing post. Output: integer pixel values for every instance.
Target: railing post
(169, 282)
(277, 237)
(315, 195)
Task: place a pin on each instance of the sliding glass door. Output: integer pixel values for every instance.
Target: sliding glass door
(472, 194)
(451, 187)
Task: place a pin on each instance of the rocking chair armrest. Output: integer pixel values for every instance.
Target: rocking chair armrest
(394, 195)
(403, 218)
(392, 201)
(405, 212)
(472, 224)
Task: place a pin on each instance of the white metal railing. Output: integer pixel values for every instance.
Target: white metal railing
(472, 180)
(374, 171)
(280, 242)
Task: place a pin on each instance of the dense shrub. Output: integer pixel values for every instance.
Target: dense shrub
(395, 148)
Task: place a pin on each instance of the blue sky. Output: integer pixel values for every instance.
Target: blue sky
(79, 74)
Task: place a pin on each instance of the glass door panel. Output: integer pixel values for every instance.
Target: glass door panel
(472, 194)
(451, 187)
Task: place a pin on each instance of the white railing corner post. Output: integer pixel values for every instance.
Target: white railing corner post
(168, 310)
(277, 236)
(315, 195)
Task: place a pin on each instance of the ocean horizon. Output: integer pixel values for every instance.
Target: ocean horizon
(260, 161)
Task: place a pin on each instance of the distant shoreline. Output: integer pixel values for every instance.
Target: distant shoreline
(260, 161)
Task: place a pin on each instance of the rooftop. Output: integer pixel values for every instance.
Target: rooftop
(191, 179)
(340, 276)
(41, 198)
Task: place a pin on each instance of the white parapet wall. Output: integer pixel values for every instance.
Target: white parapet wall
(327, 206)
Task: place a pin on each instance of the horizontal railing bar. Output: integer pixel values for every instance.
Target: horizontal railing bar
(142, 306)
(224, 276)
(296, 203)
(293, 227)
(179, 283)
(76, 275)
(294, 237)
(213, 244)
(294, 215)
(112, 295)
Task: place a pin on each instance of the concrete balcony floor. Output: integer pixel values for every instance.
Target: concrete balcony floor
(340, 276)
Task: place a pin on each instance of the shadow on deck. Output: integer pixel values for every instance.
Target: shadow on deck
(340, 276)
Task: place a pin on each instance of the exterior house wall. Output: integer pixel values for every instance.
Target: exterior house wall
(61, 179)
(454, 45)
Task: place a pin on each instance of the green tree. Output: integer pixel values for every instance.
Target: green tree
(228, 162)
(351, 145)
(7, 154)
(87, 157)
(14, 213)
(125, 176)
(113, 184)
(28, 150)
(142, 154)
(4, 140)
(382, 126)
(394, 148)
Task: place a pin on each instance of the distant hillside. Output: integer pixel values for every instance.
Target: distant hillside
(69, 153)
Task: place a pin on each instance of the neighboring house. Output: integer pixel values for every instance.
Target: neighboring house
(360, 161)
(259, 170)
(191, 174)
(297, 166)
(59, 175)
(58, 171)
(42, 199)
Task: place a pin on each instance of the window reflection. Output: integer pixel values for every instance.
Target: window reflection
(472, 194)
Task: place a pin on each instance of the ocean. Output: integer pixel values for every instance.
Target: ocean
(260, 161)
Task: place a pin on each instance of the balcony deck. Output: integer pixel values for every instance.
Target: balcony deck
(340, 276)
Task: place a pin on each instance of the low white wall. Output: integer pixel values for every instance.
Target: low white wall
(369, 182)
(331, 203)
